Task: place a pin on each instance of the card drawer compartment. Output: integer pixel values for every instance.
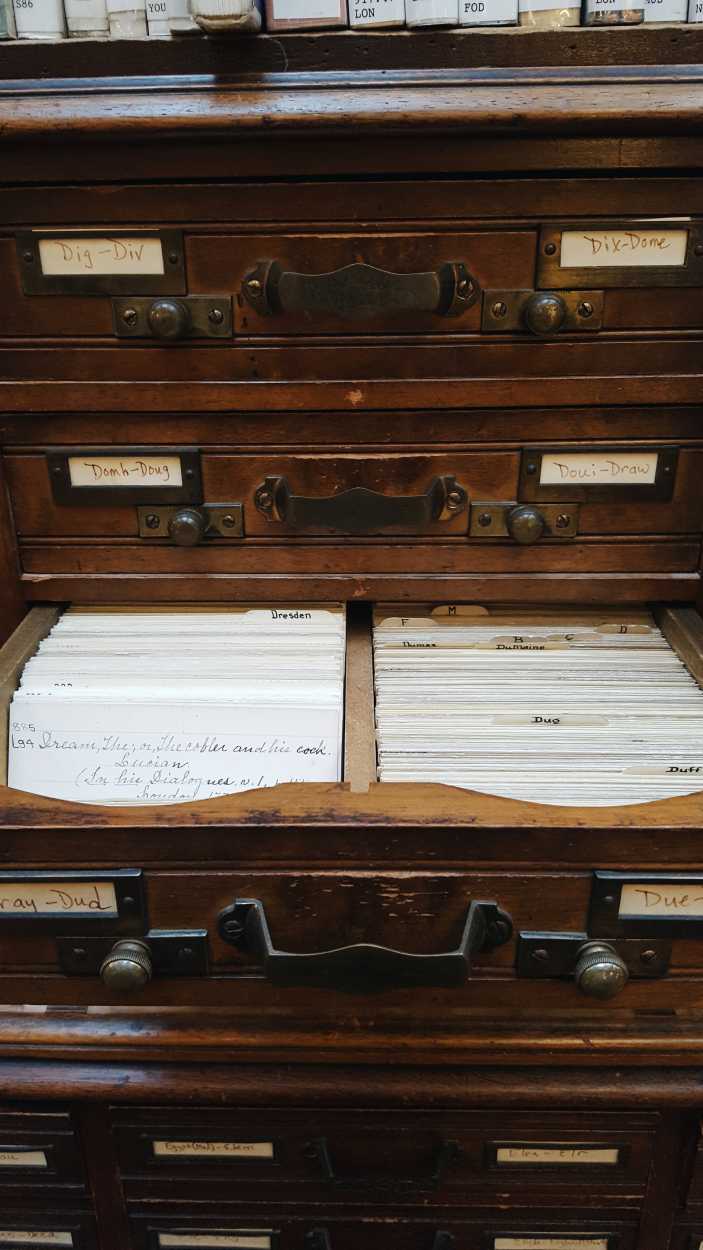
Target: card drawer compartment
(39, 1149)
(344, 1157)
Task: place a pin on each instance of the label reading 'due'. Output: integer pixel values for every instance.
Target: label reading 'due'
(632, 249)
(104, 257)
(58, 898)
(664, 899)
(602, 468)
(550, 1243)
(34, 1237)
(23, 1159)
(555, 1154)
(213, 1149)
(215, 1240)
(116, 471)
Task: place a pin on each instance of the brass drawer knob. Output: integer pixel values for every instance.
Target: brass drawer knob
(544, 314)
(168, 319)
(188, 527)
(525, 524)
(127, 968)
(599, 971)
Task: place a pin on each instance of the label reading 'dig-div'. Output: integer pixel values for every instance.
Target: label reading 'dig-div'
(58, 898)
(104, 257)
(603, 468)
(213, 1149)
(599, 249)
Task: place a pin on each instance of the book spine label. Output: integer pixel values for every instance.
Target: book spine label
(86, 17)
(488, 12)
(157, 19)
(40, 19)
(376, 12)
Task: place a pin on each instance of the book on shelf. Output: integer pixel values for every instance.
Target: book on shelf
(40, 19)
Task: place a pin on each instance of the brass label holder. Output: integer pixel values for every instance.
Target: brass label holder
(171, 282)
(550, 272)
(531, 489)
(132, 487)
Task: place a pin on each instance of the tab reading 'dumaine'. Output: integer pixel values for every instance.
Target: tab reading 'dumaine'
(57, 898)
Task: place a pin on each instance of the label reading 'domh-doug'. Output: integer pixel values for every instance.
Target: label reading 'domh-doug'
(555, 1154)
(213, 1149)
(637, 468)
(100, 257)
(646, 248)
(663, 899)
(57, 898)
(107, 471)
(218, 1239)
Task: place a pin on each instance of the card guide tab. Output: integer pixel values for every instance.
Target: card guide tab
(89, 262)
(647, 253)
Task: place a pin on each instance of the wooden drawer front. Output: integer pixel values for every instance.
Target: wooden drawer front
(695, 1188)
(366, 1156)
(39, 1149)
(212, 1229)
(55, 1229)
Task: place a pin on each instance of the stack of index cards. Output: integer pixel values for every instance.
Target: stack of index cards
(567, 707)
(171, 705)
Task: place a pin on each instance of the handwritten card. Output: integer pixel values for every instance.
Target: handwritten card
(108, 256)
(630, 249)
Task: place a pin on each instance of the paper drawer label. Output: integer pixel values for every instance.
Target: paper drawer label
(663, 899)
(120, 471)
(216, 1240)
(34, 1237)
(58, 898)
(550, 1243)
(107, 256)
(601, 468)
(23, 1159)
(213, 1149)
(555, 1154)
(599, 249)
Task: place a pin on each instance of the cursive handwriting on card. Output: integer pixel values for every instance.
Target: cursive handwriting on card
(556, 1154)
(58, 898)
(213, 1149)
(606, 468)
(662, 899)
(116, 471)
(616, 248)
(100, 257)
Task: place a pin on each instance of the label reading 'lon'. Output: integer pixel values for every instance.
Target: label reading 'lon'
(664, 899)
(603, 468)
(632, 249)
(116, 471)
(23, 1159)
(103, 257)
(216, 1240)
(58, 898)
(213, 1149)
(556, 1154)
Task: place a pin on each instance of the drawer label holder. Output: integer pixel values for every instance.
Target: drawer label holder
(218, 1151)
(143, 475)
(545, 1155)
(598, 474)
(647, 253)
(659, 904)
(92, 900)
(90, 262)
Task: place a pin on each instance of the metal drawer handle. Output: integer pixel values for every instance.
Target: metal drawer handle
(363, 967)
(360, 291)
(359, 510)
(446, 1153)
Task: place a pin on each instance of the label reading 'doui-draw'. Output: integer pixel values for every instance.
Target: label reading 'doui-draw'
(104, 257)
(216, 1240)
(598, 249)
(34, 1237)
(556, 1154)
(663, 899)
(550, 1243)
(23, 1159)
(637, 468)
(57, 898)
(213, 1149)
(117, 471)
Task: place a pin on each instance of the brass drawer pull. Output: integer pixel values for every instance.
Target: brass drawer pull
(364, 966)
(358, 292)
(445, 1154)
(359, 510)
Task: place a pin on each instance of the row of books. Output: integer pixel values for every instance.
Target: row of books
(137, 19)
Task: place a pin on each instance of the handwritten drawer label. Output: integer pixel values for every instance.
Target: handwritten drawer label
(34, 1237)
(23, 1159)
(58, 898)
(216, 1240)
(622, 248)
(550, 1243)
(213, 1149)
(602, 468)
(556, 1154)
(663, 899)
(120, 471)
(108, 256)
